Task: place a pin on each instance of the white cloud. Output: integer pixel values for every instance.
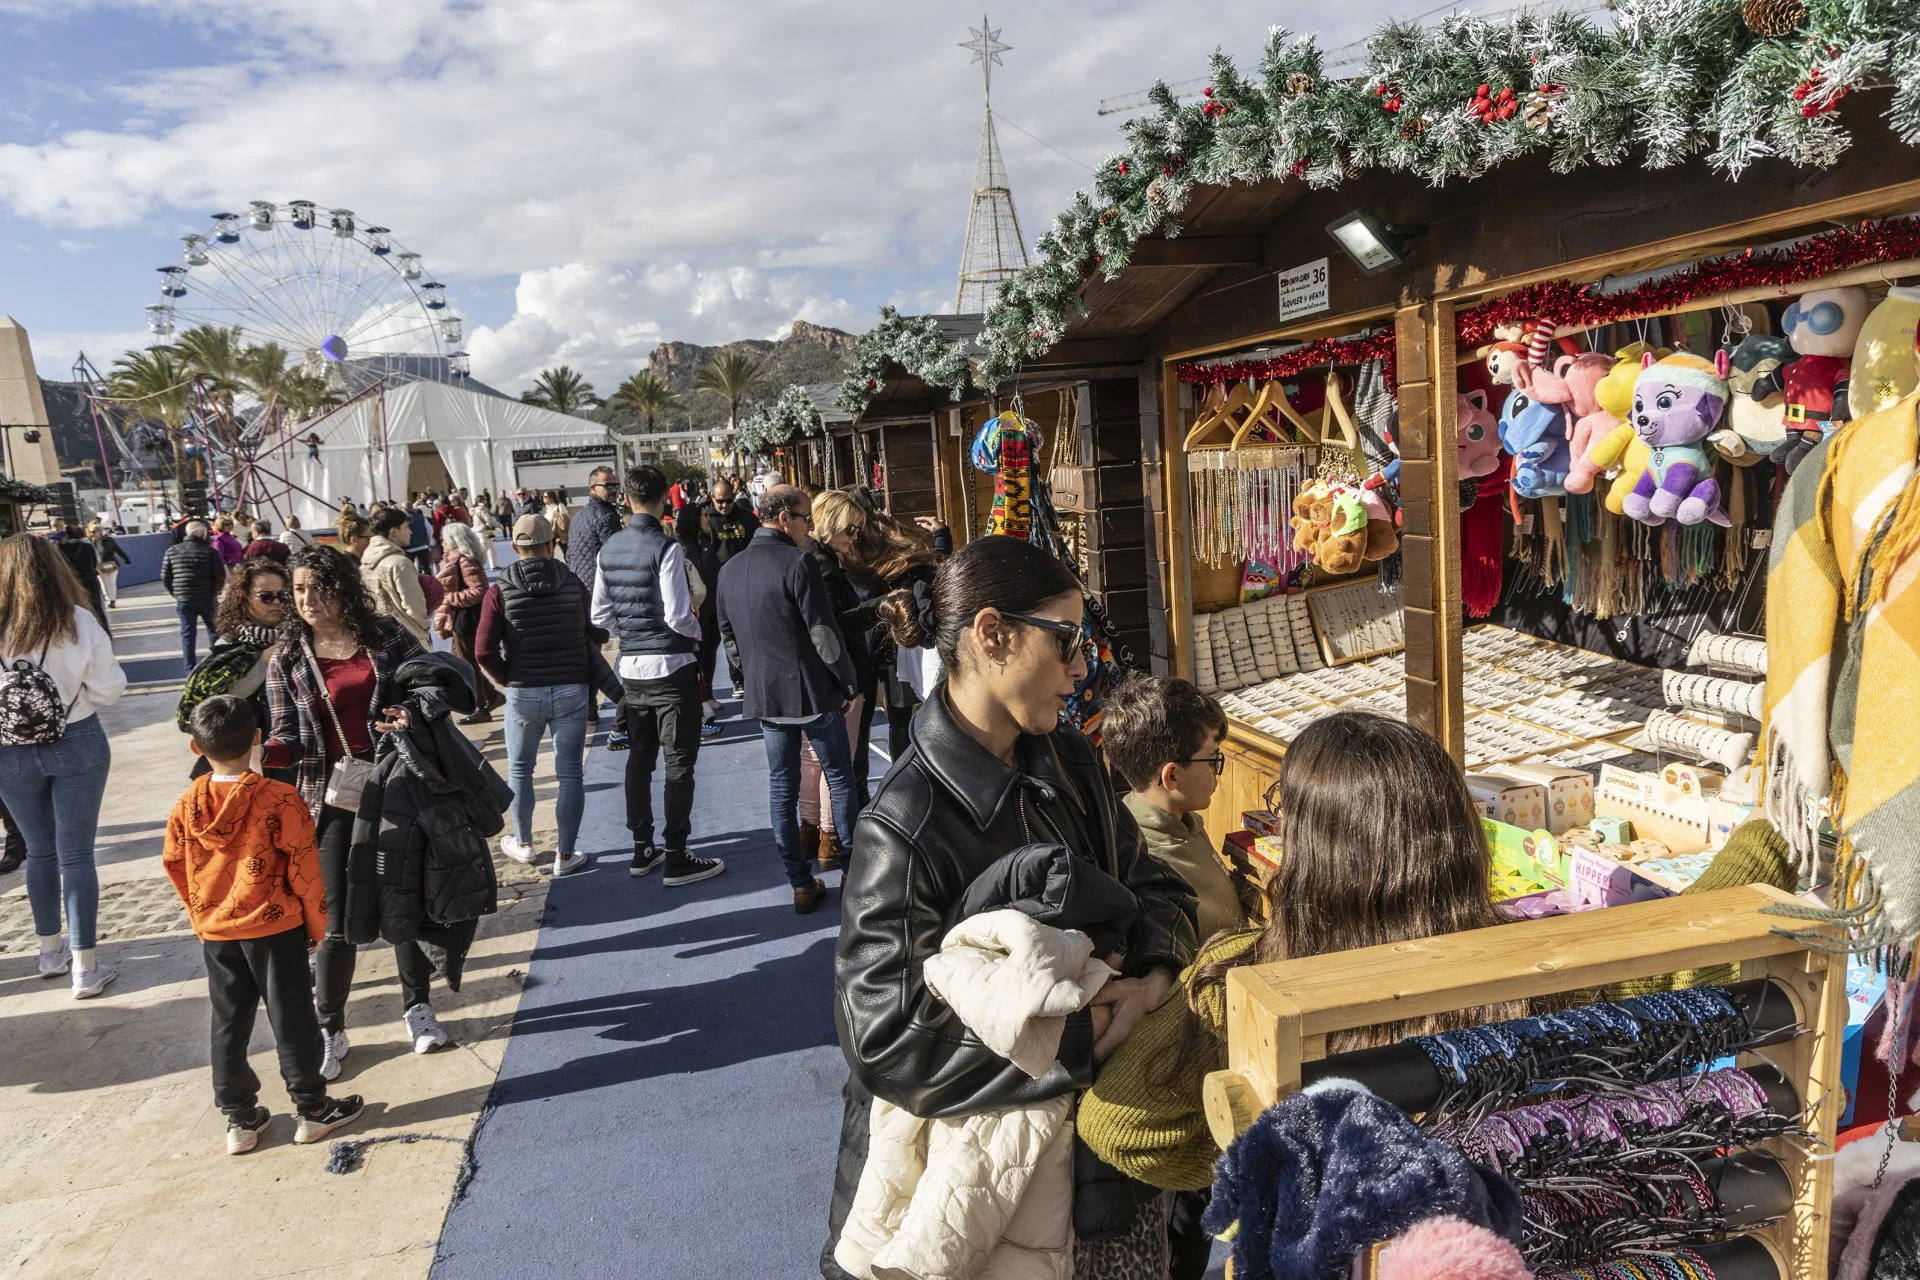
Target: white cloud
(702, 172)
(74, 246)
(55, 350)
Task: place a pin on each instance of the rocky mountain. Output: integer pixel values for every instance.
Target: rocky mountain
(810, 353)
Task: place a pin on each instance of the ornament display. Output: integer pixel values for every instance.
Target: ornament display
(1884, 368)
(1541, 109)
(1773, 18)
(1158, 197)
(1298, 84)
(1677, 403)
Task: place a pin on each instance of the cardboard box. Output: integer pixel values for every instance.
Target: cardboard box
(1657, 810)
(1534, 856)
(1569, 792)
(1607, 882)
(1518, 804)
(1262, 822)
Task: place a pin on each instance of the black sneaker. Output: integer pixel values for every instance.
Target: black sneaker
(685, 868)
(332, 1114)
(646, 860)
(243, 1132)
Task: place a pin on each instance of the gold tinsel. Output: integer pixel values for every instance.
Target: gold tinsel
(1773, 18)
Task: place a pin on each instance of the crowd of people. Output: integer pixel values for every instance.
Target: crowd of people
(322, 736)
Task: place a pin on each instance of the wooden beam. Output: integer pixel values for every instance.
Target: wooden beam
(1087, 351)
(1430, 481)
(1179, 561)
(1198, 251)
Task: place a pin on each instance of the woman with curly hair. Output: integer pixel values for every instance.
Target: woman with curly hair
(329, 685)
(246, 625)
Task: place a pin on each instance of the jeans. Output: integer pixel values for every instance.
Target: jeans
(530, 714)
(242, 974)
(53, 793)
(664, 715)
(816, 798)
(193, 612)
(828, 734)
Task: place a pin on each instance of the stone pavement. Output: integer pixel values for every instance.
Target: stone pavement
(112, 1162)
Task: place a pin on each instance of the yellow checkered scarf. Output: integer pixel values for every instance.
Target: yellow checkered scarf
(1843, 670)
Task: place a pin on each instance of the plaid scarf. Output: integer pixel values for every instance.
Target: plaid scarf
(1843, 676)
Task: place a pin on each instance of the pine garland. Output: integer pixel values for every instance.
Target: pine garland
(1669, 79)
(915, 344)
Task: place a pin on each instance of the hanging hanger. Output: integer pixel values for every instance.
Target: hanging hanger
(1336, 414)
(1262, 415)
(1241, 397)
(1307, 432)
(1205, 416)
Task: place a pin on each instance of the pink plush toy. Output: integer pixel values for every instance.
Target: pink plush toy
(1591, 423)
(1450, 1248)
(1479, 437)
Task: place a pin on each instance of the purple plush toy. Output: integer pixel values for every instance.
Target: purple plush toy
(1677, 403)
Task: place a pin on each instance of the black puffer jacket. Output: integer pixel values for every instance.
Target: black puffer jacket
(192, 571)
(947, 811)
(420, 853)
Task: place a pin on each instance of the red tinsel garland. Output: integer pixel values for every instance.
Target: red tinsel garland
(1583, 306)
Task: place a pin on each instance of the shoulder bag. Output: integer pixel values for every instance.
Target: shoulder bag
(350, 774)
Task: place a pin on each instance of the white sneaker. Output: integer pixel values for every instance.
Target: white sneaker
(424, 1029)
(333, 1054)
(88, 983)
(55, 963)
(518, 852)
(566, 862)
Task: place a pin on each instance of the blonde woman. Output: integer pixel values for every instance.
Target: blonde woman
(53, 788)
(112, 556)
(837, 525)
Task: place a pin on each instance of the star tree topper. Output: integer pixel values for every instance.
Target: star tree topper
(986, 49)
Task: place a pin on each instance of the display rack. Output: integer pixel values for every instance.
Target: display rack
(1280, 1016)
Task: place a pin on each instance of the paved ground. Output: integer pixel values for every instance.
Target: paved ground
(112, 1162)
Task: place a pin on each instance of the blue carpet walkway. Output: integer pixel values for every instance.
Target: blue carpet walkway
(669, 1104)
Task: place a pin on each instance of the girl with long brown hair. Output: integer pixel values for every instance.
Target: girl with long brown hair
(1382, 844)
(53, 788)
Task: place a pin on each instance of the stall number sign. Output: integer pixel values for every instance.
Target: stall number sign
(1303, 290)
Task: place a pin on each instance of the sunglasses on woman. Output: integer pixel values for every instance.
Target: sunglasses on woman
(273, 597)
(1066, 635)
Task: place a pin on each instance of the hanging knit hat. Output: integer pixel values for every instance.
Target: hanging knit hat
(1450, 1248)
(1334, 1169)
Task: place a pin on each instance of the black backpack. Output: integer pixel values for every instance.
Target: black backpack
(31, 713)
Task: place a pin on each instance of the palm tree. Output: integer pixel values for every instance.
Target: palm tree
(732, 375)
(216, 355)
(157, 384)
(562, 389)
(644, 395)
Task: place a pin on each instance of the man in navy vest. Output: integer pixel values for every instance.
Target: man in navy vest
(793, 672)
(641, 594)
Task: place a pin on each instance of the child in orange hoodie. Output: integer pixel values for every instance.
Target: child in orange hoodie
(240, 850)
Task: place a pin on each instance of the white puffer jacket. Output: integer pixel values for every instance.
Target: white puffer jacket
(988, 1196)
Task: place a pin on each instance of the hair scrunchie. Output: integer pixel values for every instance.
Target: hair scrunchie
(923, 614)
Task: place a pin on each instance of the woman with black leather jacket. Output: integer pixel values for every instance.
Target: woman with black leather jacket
(988, 771)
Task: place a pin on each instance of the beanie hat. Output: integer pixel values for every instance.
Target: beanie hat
(1334, 1169)
(1450, 1248)
(1684, 369)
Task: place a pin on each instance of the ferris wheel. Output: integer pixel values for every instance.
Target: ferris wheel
(324, 285)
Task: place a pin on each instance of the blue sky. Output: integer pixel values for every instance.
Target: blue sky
(589, 177)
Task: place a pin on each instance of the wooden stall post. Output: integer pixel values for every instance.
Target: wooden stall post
(1430, 502)
(1178, 588)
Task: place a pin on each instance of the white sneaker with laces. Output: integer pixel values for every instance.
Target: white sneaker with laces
(333, 1054)
(564, 863)
(55, 963)
(518, 852)
(88, 983)
(424, 1029)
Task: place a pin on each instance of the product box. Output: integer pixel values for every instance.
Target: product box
(1518, 804)
(1722, 817)
(1569, 792)
(1602, 881)
(1657, 809)
(1262, 822)
(1533, 856)
(1267, 849)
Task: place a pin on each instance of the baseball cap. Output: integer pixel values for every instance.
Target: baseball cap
(532, 531)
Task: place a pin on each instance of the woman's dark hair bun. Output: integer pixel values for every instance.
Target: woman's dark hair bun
(909, 621)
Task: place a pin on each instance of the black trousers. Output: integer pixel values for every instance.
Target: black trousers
(334, 965)
(663, 715)
(240, 975)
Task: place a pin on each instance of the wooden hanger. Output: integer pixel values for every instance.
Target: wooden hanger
(1241, 397)
(1336, 414)
(1205, 415)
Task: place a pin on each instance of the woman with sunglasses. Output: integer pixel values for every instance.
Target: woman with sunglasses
(246, 625)
(988, 769)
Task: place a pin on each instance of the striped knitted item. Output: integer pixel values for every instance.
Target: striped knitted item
(1843, 674)
(1013, 480)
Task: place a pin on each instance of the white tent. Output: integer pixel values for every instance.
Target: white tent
(364, 450)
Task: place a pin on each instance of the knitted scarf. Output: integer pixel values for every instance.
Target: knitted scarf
(1013, 479)
(1843, 675)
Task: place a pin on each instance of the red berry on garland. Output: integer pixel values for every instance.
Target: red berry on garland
(1393, 105)
(869, 384)
(1208, 91)
(1482, 91)
(1121, 168)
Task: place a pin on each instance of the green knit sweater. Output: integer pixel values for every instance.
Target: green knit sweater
(1144, 1117)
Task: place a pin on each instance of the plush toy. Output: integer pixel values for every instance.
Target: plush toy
(1479, 437)
(1382, 541)
(1756, 407)
(1502, 359)
(1677, 402)
(1533, 428)
(1579, 378)
(1333, 527)
(1621, 453)
(1823, 326)
(1884, 369)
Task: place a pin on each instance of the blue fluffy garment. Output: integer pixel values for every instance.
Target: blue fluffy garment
(1332, 1170)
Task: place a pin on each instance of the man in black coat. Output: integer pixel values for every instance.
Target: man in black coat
(791, 665)
(727, 521)
(192, 573)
